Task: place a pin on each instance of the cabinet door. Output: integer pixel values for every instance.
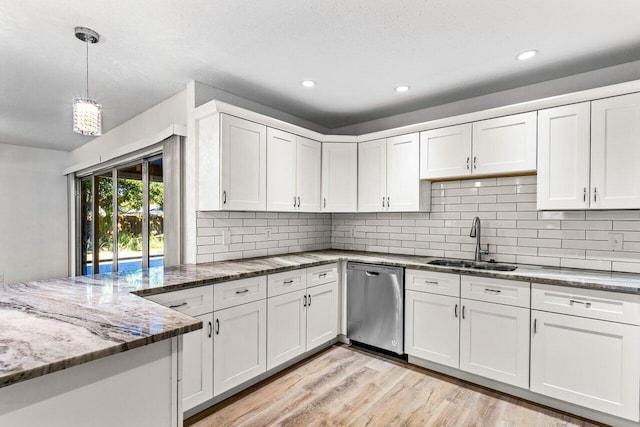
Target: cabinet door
(564, 135)
(445, 152)
(615, 152)
(403, 173)
(322, 314)
(239, 347)
(339, 177)
(372, 176)
(243, 164)
(505, 145)
(432, 327)
(286, 327)
(309, 157)
(592, 363)
(494, 341)
(197, 364)
(281, 171)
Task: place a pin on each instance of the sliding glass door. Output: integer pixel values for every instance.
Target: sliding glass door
(121, 226)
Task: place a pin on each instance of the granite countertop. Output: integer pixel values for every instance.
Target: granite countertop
(60, 323)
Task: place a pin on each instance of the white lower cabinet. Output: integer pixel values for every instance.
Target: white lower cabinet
(494, 341)
(197, 364)
(286, 327)
(239, 350)
(432, 327)
(322, 314)
(301, 319)
(588, 362)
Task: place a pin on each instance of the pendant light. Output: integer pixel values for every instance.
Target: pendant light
(87, 112)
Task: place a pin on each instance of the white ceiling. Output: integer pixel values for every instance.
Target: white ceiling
(357, 51)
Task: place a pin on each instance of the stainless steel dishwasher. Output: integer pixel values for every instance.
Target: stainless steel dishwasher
(375, 306)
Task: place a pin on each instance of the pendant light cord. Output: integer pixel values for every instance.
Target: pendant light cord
(87, 42)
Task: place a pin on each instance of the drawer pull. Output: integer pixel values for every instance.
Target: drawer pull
(495, 291)
(430, 282)
(287, 282)
(244, 291)
(322, 275)
(586, 304)
(182, 304)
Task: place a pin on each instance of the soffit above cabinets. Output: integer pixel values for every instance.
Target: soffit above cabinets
(357, 52)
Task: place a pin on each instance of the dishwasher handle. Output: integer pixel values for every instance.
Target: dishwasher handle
(372, 273)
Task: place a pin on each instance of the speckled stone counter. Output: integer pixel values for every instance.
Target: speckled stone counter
(50, 325)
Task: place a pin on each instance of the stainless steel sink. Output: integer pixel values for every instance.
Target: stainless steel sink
(472, 264)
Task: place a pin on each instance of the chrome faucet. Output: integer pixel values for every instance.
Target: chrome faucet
(475, 232)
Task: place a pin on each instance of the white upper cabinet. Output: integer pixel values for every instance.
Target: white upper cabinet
(281, 171)
(372, 176)
(445, 152)
(293, 172)
(563, 157)
(403, 173)
(309, 158)
(589, 155)
(504, 145)
(615, 152)
(389, 174)
(243, 164)
(339, 177)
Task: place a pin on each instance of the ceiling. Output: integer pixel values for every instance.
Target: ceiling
(357, 51)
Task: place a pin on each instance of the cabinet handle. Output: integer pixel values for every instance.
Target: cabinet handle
(182, 304)
(595, 194)
(495, 291)
(468, 159)
(224, 197)
(294, 201)
(388, 204)
(535, 326)
(325, 202)
(217, 327)
(463, 311)
(430, 282)
(210, 329)
(244, 291)
(474, 162)
(309, 301)
(584, 194)
(322, 275)
(304, 299)
(383, 202)
(455, 311)
(586, 304)
(298, 201)
(287, 282)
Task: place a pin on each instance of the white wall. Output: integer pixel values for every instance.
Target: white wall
(171, 111)
(33, 213)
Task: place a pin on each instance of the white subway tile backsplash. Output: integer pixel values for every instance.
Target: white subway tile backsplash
(512, 227)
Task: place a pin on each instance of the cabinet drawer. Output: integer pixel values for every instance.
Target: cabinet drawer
(322, 274)
(433, 282)
(285, 282)
(194, 301)
(616, 307)
(510, 292)
(238, 292)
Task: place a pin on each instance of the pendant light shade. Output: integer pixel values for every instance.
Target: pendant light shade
(87, 112)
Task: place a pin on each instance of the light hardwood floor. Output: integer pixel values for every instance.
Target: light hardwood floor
(348, 386)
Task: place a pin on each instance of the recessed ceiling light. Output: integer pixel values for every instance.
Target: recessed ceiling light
(308, 83)
(527, 54)
(402, 88)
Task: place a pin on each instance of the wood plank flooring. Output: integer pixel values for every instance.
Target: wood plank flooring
(348, 386)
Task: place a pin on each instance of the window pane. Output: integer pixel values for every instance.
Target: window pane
(130, 217)
(104, 237)
(156, 213)
(86, 224)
